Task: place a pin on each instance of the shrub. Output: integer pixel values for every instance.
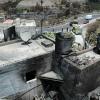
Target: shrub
(92, 32)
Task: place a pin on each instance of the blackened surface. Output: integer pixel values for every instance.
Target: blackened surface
(63, 45)
(30, 75)
(79, 82)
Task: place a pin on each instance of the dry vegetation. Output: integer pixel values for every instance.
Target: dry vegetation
(92, 31)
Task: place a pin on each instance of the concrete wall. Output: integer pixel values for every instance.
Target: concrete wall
(41, 64)
(12, 77)
(81, 1)
(9, 33)
(79, 82)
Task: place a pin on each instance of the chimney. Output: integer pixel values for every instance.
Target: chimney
(63, 44)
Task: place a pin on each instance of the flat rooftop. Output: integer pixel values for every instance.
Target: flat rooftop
(84, 59)
(17, 52)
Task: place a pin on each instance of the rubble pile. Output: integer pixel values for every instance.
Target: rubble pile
(82, 61)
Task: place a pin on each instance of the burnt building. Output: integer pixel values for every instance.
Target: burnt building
(20, 65)
(79, 70)
(35, 70)
(81, 74)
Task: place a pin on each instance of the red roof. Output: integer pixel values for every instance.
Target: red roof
(8, 21)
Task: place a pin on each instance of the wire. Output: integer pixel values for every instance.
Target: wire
(32, 89)
(27, 92)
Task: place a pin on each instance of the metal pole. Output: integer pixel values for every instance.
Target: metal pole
(41, 25)
(41, 16)
(62, 30)
(53, 30)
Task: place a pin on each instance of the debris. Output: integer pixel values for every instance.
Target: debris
(82, 61)
(47, 43)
